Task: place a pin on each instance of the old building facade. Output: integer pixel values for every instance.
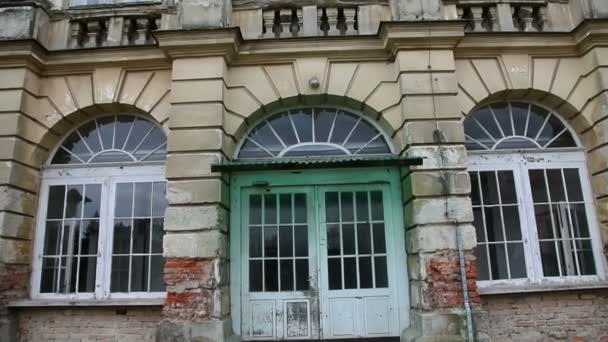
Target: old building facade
(215, 170)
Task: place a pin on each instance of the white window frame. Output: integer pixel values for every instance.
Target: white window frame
(520, 162)
(108, 177)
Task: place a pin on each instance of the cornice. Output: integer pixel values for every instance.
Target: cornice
(391, 37)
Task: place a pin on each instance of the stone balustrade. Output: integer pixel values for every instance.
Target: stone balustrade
(112, 31)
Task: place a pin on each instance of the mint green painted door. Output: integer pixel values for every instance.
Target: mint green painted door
(318, 261)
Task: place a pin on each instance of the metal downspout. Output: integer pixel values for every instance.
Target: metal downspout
(465, 287)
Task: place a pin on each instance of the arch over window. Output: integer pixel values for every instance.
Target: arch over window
(515, 125)
(313, 132)
(113, 139)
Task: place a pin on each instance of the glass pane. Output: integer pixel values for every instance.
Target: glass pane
(152, 142)
(141, 235)
(52, 238)
(300, 208)
(264, 137)
(123, 127)
(74, 144)
(377, 206)
(361, 135)
(157, 235)
(302, 120)
(478, 223)
(482, 263)
(380, 271)
(88, 132)
(301, 240)
(74, 201)
(270, 241)
(255, 209)
(283, 127)
(271, 275)
(556, 185)
(543, 221)
(494, 224)
(255, 242)
(346, 206)
(362, 206)
(475, 200)
(573, 185)
(512, 226)
(579, 220)
(549, 259)
(285, 208)
(366, 279)
(63, 157)
(50, 273)
(255, 275)
(585, 257)
(105, 128)
(124, 200)
(331, 207)
(498, 260)
(157, 283)
(333, 239)
(287, 275)
(539, 187)
(143, 200)
(364, 239)
(89, 235)
(350, 273)
(551, 129)
(141, 127)
(122, 237)
(517, 260)
(520, 116)
(159, 202)
(344, 124)
(379, 238)
(120, 274)
(286, 241)
(56, 201)
(334, 270)
(324, 118)
(92, 200)
(251, 150)
(302, 282)
(489, 188)
(503, 116)
(139, 273)
(507, 187)
(86, 274)
(348, 239)
(536, 121)
(270, 208)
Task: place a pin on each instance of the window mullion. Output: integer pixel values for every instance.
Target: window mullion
(529, 229)
(105, 251)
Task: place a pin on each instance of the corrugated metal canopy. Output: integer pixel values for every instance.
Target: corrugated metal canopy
(314, 163)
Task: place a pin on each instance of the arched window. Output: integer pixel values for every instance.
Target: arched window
(101, 212)
(532, 201)
(313, 132)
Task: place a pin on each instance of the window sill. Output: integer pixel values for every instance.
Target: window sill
(86, 302)
(545, 285)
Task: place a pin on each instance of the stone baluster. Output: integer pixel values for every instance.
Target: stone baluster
(269, 17)
(350, 21)
(96, 33)
(477, 18)
(523, 18)
(492, 19)
(285, 19)
(78, 34)
(332, 21)
(127, 31)
(540, 18)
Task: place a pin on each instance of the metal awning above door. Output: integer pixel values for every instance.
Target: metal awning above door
(314, 163)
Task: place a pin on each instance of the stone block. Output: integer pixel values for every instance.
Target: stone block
(205, 331)
(250, 22)
(310, 21)
(199, 68)
(10, 100)
(417, 107)
(16, 200)
(439, 157)
(423, 132)
(435, 327)
(424, 211)
(370, 16)
(17, 22)
(19, 175)
(190, 115)
(425, 60)
(201, 244)
(428, 83)
(15, 251)
(197, 91)
(191, 165)
(193, 218)
(433, 238)
(203, 14)
(197, 192)
(419, 10)
(194, 140)
(426, 184)
(16, 226)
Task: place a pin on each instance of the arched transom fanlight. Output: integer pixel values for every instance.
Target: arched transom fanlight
(113, 139)
(313, 132)
(515, 125)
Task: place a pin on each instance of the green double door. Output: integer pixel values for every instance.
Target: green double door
(320, 261)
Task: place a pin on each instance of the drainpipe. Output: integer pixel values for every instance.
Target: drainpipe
(439, 138)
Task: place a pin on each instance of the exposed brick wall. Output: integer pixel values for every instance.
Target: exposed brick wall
(444, 281)
(548, 316)
(14, 282)
(191, 287)
(133, 324)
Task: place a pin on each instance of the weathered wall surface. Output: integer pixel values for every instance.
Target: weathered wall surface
(552, 316)
(133, 324)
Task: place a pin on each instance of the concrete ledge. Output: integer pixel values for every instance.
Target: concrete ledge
(65, 302)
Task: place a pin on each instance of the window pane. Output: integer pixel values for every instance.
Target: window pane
(350, 273)
(74, 201)
(157, 283)
(301, 240)
(549, 259)
(539, 187)
(366, 279)
(377, 206)
(271, 276)
(520, 116)
(141, 235)
(302, 281)
(300, 208)
(302, 120)
(270, 241)
(120, 274)
(255, 242)
(56, 201)
(573, 185)
(86, 274)
(158, 233)
(286, 241)
(92, 201)
(543, 221)
(324, 118)
(482, 262)
(255, 209)
(362, 206)
(494, 224)
(556, 185)
(479, 226)
(334, 270)
(285, 208)
(124, 200)
(498, 261)
(507, 187)
(89, 235)
(287, 275)
(52, 238)
(139, 273)
(348, 239)
(333, 239)
(503, 116)
(475, 200)
(364, 239)
(270, 209)
(122, 237)
(379, 238)
(517, 261)
(381, 273)
(489, 188)
(484, 119)
(585, 257)
(512, 226)
(579, 220)
(346, 206)
(143, 200)
(331, 207)
(283, 127)
(255, 275)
